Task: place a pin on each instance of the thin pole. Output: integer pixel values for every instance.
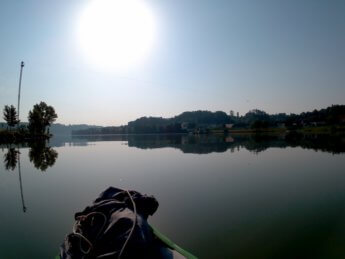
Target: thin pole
(20, 86)
(20, 183)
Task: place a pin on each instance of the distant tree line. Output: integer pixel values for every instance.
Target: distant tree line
(151, 125)
(207, 120)
(255, 119)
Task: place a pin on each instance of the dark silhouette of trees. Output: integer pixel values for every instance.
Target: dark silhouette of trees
(203, 117)
(42, 156)
(232, 113)
(260, 124)
(205, 121)
(256, 115)
(40, 118)
(10, 115)
(193, 119)
(11, 159)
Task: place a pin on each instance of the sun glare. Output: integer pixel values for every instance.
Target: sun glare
(116, 34)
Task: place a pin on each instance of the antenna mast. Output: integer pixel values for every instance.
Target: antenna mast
(20, 85)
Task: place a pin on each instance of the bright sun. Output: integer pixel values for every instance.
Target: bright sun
(116, 34)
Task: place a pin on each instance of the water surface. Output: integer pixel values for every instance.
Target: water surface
(240, 196)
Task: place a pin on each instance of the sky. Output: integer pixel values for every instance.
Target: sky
(277, 56)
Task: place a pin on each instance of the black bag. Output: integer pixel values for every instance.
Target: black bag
(114, 226)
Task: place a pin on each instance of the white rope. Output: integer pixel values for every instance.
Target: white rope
(77, 223)
(134, 223)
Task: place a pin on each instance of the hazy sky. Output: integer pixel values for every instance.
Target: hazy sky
(279, 56)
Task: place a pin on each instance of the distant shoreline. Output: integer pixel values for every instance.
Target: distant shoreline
(314, 130)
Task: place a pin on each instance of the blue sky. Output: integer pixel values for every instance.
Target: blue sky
(279, 56)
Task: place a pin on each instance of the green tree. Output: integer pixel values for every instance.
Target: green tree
(40, 118)
(10, 115)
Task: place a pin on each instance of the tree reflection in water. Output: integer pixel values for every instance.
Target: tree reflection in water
(11, 158)
(209, 143)
(41, 155)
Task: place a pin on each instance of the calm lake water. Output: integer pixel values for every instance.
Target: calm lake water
(239, 196)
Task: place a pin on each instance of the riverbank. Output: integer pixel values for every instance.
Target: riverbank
(305, 130)
(16, 136)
